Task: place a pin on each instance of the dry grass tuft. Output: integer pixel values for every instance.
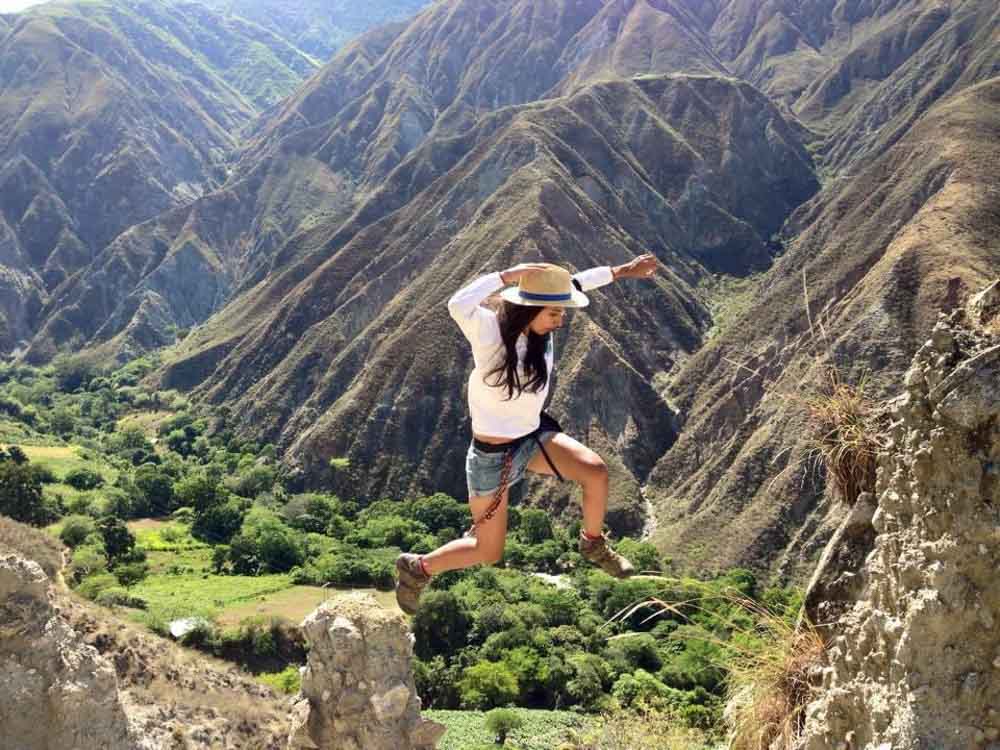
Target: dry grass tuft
(771, 685)
(844, 434)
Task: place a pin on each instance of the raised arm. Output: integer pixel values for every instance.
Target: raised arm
(639, 268)
(464, 305)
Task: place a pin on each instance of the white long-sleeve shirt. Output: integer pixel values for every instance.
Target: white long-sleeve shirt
(492, 414)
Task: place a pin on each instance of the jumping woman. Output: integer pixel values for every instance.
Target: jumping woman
(513, 356)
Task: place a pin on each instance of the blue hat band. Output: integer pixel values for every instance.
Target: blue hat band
(546, 297)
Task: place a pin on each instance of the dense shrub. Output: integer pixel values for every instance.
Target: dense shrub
(348, 566)
(130, 573)
(265, 545)
(390, 531)
(501, 722)
(156, 488)
(288, 681)
(73, 372)
(76, 529)
(21, 495)
(88, 558)
(95, 583)
(441, 624)
(219, 523)
(487, 685)
(114, 596)
(254, 482)
(83, 479)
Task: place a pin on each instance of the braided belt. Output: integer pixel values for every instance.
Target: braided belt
(508, 464)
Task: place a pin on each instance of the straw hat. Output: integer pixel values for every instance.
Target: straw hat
(551, 287)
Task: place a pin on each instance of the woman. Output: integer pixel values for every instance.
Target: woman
(512, 351)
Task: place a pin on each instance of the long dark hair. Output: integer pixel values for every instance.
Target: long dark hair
(513, 320)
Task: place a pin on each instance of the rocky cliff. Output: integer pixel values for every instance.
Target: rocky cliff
(55, 691)
(913, 659)
(73, 676)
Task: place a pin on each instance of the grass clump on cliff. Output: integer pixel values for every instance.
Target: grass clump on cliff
(842, 418)
(767, 658)
(771, 683)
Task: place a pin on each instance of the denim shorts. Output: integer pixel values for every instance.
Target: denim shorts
(482, 469)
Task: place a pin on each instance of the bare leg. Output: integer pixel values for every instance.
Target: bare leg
(486, 547)
(580, 464)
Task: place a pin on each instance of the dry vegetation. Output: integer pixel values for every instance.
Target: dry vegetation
(199, 700)
(31, 543)
(770, 687)
(843, 433)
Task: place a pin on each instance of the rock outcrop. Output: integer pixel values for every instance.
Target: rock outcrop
(73, 677)
(914, 660)
(357, 689)
(55, 692)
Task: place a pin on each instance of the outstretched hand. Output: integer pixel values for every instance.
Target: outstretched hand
(518, 272)
(640, 268)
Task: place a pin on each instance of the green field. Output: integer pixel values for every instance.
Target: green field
(181, 583)
(64, 458)
(294, 603)
(203, 594)
(542, 730)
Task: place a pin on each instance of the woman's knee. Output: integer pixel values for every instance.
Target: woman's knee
(593, 469)
(491, 554)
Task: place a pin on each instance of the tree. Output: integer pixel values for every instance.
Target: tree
(73, 372)
(21, 495)
(62, 421)
(642, 690)
(157, 488)
(634, 651)
(265, 545)
(501, 722)
(118, 540)
(219, 522)
(200, 491)
(15, 454)
(487, 685)
(254, 482)
(644, 556)
(83, 479)
(129, 440)
(535, 526)
(440, 512)
(590, 674)
(441, 624)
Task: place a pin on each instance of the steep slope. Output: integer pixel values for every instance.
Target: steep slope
(329, 356)
(319, 156)
(110, 114)
(429, 150)
(879, 255)
(318, 27)
(875, 94)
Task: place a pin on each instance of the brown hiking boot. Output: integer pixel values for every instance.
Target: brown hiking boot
(598, 552)
(411, 583)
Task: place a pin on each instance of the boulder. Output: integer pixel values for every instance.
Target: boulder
(357, 688)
